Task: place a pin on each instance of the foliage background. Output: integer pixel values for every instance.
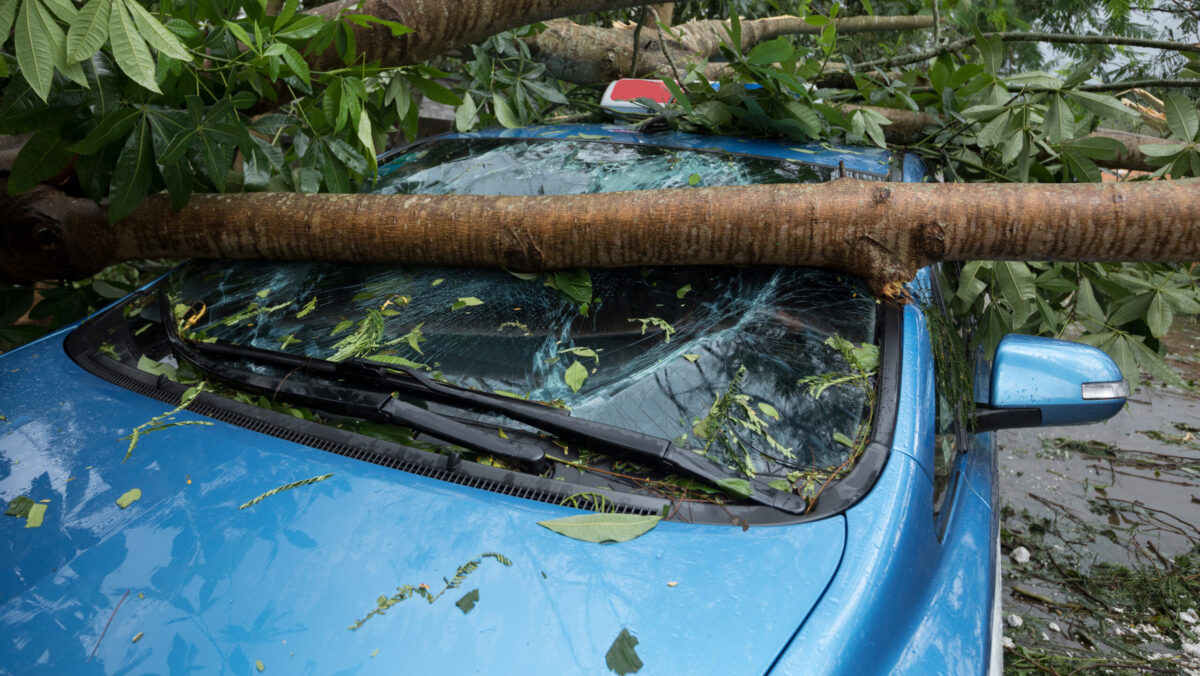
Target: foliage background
(124, 99)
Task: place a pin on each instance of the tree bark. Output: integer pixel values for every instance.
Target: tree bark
(880, 232)
(592, 54)
(441, 26)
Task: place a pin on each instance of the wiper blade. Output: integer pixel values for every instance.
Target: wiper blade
(610, 439)
(613, 440)
(369, 405)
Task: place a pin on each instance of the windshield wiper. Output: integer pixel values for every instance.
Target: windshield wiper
(615, 441)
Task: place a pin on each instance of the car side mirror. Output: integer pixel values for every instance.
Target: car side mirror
(1038, 382)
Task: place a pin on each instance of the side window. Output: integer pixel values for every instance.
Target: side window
(952, 380)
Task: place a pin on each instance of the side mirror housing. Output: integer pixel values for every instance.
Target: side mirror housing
(1038, 382)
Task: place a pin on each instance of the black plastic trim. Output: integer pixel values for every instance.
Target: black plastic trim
(988, 419)
(837, 497)
(341, 442)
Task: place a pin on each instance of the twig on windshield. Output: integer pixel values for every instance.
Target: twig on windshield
(105, 631)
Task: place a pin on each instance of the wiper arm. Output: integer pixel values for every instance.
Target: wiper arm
(615, 441)
(366, 404)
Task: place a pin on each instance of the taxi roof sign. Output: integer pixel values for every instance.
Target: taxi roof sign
(621, 94)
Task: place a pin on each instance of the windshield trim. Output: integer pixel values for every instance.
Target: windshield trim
(110, 326)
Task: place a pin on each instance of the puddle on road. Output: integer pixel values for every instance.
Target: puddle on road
(1110, 517)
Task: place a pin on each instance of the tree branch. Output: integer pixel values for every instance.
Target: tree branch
(1058, 38)
(881, 232)
(592, 54)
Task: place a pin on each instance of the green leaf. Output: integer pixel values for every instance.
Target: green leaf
(768, 410)
(1149, 360)
(37, 511)
(690, 356)
(305, 26)
(8, 13)
(152, 367)
(111, 127)
(297, 63)
(434, 91)
(157, 34)
(129, 49)
(1082, 72)
(366, 139)
(129, 497)
(1134, 307)
(1181, 117)
(1089, 310)
(133, 173)
(238, 32)
(467, 603)
(466, 115)
(993, 132)
(1159, 316)
(42, 156)
(1102, 105)
(89, 31)
(1033, 78)
(1162, 150)
(602, 527)
(984, 112)
(365, 20)
(461, 303)
(738, 488)
(35, 46)
(622, 658)
(1016, 282)
(575, 284)
(285, 14)
(1083, 169)
(772, 51)
(1059, 125)
(1097, 147)
(19, 506)
(843, 439)
(504, 114)
(575, 375)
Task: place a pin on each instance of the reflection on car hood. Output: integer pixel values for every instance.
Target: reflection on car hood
(183, 579)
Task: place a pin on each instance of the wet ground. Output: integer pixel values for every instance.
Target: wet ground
(1101, 535)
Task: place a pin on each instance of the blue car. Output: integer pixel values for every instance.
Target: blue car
(314, 468)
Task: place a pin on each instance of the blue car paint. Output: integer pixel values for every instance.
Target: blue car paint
(1047, 371)
(905, 601)
(224, 587)
(215, 587)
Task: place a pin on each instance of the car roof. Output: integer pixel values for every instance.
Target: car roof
(876, 162)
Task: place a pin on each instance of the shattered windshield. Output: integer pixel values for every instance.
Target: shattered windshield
(565, 167)
(721, 360)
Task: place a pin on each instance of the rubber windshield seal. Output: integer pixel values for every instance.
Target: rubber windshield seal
(110, 326)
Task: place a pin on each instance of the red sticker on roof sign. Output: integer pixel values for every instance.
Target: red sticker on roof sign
(621, 93)
(628, 90)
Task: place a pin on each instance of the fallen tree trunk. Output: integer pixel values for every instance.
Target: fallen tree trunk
(883, 233)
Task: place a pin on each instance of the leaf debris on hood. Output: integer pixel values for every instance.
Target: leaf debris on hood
(622, 657)
(294, 484)
(601, 528)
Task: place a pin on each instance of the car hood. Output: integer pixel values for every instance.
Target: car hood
(184, 578)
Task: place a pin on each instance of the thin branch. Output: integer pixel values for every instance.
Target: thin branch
(663, 46)
(1063, 38)
(1103, 87)
(637, 37)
